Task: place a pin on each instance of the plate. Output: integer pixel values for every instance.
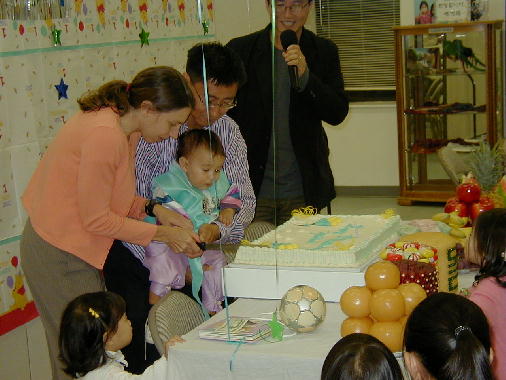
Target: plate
(465, 149)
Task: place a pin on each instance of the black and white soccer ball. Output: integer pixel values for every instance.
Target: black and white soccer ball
(302, 308)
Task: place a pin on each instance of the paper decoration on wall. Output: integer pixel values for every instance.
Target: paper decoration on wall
(16, 306)
(144, 36)
(56, 36)
(182, 8)
(32, 69)
(78, 6)
(165, 4)
(205, 26)
(62, 89)
(143, 9)
(210, 9)
(101, 11)
(33, 9)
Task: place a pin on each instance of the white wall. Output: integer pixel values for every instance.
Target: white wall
(364, 147)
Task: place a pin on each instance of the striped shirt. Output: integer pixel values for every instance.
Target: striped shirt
(153, 159)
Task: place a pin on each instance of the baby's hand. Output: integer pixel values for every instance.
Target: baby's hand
(172, 342)
(226, 216)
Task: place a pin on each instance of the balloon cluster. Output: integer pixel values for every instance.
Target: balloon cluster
(382, 307)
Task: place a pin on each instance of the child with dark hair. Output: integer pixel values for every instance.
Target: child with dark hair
(487, 248)
(446, 338)
(196, 187)
(424, 17)
(93, 330)
(360, 357)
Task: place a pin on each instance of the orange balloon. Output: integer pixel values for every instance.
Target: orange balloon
(387, 305)
(403, 321)
(413, 294)
(382, 275)
(355, 301)
(356, 325)
(390, 333)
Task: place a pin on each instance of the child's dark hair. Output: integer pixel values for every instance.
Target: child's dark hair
(450, 336)
(360, 357)
(489, 235)
(163, 86)
(424, 3)
(82, 328)
(190, 140)
(223, 65)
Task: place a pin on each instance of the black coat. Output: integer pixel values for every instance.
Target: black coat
(322, 99)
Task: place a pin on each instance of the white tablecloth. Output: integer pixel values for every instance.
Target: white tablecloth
(296, 357)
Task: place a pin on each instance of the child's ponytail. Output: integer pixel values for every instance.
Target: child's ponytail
(85, 322)
(469, 360)
(450, 336)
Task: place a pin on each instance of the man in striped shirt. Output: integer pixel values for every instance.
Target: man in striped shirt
(123, 270)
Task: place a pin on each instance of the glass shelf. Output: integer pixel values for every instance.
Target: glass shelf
(442, 101)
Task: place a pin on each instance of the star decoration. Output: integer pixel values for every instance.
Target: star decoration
(56, 34)
(205, 26)
(62, 89)
(144, 36)
(276, 327)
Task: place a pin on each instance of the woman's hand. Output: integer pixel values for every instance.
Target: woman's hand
(180, 240)
(169, 217)
(209, 233)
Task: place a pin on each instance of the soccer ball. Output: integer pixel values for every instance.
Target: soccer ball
(302, 308)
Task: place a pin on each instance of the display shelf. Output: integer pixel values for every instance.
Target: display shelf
(449, 87)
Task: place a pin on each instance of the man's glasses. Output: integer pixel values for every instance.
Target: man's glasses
(225, 105)
(294, 8)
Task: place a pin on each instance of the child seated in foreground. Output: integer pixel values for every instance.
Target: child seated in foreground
(196, 187)
(93, 330)
(447, 337)
(486, 248)
(360, 357)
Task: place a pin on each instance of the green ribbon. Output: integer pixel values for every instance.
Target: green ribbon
(197, 278)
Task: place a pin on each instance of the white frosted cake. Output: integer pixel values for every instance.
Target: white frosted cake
(327, 241)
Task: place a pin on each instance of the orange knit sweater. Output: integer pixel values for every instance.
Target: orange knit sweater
(82, 194)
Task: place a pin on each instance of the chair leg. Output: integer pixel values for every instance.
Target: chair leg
(329, 210)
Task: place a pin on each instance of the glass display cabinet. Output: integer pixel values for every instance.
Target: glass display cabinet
(449, 96)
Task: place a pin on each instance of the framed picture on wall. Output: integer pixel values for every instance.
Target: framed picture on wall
(425, 12)
(450, 11)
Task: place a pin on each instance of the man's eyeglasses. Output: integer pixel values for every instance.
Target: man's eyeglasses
(226, 105)
(294, 8)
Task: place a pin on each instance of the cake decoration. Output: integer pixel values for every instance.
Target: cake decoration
(352, 243)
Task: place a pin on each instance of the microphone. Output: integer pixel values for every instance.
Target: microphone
(289, 37)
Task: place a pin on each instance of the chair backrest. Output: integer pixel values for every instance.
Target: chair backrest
(257, 229)
(174, 314)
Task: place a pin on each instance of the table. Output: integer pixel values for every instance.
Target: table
(297, 357)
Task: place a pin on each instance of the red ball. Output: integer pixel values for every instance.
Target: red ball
(468, 192)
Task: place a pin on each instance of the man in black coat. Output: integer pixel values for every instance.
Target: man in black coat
(289, 165)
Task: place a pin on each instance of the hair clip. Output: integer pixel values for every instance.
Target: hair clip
(128, 87)
(93, 313)
(459, 329)
(503, 255)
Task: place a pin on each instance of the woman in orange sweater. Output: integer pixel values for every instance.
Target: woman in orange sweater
(82, 194)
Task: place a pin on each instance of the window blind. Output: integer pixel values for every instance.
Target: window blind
(362, 30)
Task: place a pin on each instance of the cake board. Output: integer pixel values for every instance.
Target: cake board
(251, 281)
